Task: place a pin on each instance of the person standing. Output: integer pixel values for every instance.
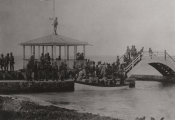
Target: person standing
(118, 63)
(7, 62)
(55, 25)
(36, 68)
(150, 53)
(12, 62)
(2, 62)
(128, 52)
(55, 71)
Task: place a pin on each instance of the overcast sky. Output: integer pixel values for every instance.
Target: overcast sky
(109, 25)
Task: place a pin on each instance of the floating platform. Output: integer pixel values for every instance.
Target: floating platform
(22, 86)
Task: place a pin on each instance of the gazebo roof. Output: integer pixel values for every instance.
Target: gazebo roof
(54, 40)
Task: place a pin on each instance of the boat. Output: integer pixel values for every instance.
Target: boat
(80, 85)
(85, 86)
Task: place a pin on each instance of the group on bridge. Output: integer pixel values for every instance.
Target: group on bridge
(131, 54)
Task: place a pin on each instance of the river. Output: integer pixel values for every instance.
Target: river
(147, 99)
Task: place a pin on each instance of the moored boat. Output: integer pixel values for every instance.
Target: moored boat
(91, 86)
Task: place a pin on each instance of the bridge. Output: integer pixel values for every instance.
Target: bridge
(159, 65)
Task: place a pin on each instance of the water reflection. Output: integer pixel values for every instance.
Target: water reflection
(147, 99)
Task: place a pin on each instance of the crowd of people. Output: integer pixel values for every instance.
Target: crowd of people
(107, 73)
(80, 56)
(90, 71)
(101, 73)
(45, 69)
(7, 62)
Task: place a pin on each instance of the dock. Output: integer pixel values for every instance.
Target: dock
(22, 86)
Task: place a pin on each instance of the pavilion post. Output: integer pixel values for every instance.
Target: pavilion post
(165, 54)
(75, 52)
(46, 49)
(43, 50)
(23, 56)
(54, 49)
(39, 52)
(31, 50)
(60, 51)
(84, 51)
(34, 51)
(67, 52)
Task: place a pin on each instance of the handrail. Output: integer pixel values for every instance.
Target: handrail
(122, 56)
(132, 63)
(170, 57)
(154, 53)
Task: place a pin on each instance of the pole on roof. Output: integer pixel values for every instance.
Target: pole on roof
(53, 9)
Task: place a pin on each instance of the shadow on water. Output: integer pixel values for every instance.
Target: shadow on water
(167, 84)
(60, 102)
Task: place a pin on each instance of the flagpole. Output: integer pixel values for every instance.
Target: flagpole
(53, 9)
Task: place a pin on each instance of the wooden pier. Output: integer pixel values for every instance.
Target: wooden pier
(19, 86)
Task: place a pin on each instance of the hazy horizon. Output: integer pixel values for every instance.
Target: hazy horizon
(109, 25)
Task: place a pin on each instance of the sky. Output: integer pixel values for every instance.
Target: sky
(109, 25)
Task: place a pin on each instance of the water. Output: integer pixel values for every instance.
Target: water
(147, 99)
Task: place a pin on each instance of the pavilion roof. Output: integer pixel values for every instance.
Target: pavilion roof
(52, 39)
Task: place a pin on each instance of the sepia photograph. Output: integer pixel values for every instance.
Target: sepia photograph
(87, 60)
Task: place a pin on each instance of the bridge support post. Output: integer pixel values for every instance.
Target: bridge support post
(165, 54)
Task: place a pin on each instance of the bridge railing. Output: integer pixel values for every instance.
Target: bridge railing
(133, 63)
(168, 55)
(164, 54)
(154, 53)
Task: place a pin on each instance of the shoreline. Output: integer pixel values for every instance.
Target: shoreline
(21, 108)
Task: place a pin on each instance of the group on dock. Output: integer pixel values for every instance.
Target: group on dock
(46, 69)
(7, 62)
(107, 74)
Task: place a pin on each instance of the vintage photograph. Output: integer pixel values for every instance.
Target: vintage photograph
(87, 60)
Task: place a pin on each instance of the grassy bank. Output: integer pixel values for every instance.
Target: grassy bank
(20, 109)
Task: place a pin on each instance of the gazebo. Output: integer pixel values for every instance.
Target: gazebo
(53, 42)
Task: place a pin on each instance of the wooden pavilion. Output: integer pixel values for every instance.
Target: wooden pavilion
(53, 42)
